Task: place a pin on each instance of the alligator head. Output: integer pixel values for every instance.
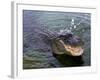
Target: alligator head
(68, 44)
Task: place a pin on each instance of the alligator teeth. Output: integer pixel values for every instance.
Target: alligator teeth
(75, 51)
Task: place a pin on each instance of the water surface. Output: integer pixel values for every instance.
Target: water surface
(37, 52)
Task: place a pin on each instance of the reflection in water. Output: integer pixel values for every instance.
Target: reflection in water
(69, 61)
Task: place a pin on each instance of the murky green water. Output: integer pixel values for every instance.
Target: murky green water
(36, 49)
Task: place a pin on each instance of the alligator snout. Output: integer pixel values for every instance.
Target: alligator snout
(68, 44)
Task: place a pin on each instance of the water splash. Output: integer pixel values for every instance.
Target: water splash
(68, 29)
(64, 31)
(72, 22)
(74, 26)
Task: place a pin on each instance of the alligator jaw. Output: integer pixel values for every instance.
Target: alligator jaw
(72, 50)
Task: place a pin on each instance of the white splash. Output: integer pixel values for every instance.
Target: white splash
(74, 26)
(61, 31)
(65, 31)
(72, 22)
(70, 28)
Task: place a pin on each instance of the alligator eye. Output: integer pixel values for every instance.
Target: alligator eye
(64, 38)
(69, 35)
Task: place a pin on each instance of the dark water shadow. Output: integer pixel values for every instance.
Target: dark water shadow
(69, 61)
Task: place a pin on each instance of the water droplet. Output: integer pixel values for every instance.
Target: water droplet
(74, 26)
(61, 31)
(83, 30)
(72, 22)
(70, 28)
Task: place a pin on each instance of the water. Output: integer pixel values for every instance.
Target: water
(37, 52)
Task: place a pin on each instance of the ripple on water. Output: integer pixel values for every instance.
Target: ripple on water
(37, 51)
